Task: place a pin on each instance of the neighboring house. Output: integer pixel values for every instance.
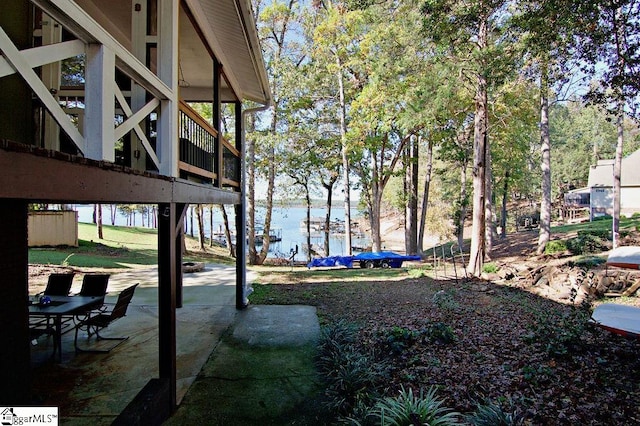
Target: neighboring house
(601, 187)
(119, 130)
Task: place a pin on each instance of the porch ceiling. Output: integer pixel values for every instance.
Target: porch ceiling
(229, 28)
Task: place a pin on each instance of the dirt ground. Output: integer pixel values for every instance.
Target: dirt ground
(482, 341)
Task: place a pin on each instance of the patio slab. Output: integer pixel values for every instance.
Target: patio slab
(212, 336)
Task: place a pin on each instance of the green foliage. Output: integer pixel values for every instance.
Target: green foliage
(410, 409)
(560, 334)
(351, 376)
(588, 262)
(419, 272)
(440, 332)
(586, 243)
(494, 414)
(490, 268)
(603, 234)
(536, 375)
(555, 246)
(398, 340)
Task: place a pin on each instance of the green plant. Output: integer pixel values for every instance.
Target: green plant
(588, 262)
(555, 246)
(410, 409)
(493, 414)
(440, 332)
(562, 333)
(65, 262)
(351, 375)
(398, 338)
(490, 268)
(536, 375)
(586, 243)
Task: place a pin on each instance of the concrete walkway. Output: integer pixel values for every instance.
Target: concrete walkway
(242, 365)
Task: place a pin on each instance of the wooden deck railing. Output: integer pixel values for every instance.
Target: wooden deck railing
(200, 144)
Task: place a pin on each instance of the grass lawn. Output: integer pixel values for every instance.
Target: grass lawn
(122, 247)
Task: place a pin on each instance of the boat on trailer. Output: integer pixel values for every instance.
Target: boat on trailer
(620, 319)
(382, 259)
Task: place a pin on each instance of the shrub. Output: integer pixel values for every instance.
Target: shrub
(561, 333)
(490, 268)
(409, 409)
(398, 339)
(440, 332)
(492, 414)
(603, 234)
(585, 244)
(555, 246)
(351, 376)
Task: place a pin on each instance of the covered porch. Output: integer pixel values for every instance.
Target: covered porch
(94, 108)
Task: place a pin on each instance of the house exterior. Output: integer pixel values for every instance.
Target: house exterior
(94, 109)
(600, 186)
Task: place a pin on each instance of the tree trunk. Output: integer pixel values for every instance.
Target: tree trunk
(251, 192)
(503, 214)
(271, 179)
(462, 214)
(477, 249)
(99, 221)
(210, 225)
(190, 221)
(200, 221)
(411, 222)
(374, 217)
(617, 172)
(227, 231)
(345, 160)
(489, 212)
(545, 147)
(307, 199)
(327, 221)
(425, 196)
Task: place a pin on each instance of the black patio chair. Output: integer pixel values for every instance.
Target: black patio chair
(59, 284)
(94, 285)
(94, 323)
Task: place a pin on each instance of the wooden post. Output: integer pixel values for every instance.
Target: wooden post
(99, 131)
(168, 12)
(167, 295)
(219, 158)
(15, 361)
(16, 123)
(241, 219)
(16, 117)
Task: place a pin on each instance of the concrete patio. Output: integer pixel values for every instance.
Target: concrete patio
(217, 346)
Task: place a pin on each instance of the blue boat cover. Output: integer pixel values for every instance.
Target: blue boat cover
(332, 261)
(393, 259)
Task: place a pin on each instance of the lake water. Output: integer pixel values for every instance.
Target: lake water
(286, 223)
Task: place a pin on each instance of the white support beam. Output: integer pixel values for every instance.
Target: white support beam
(81, 24)
(168, 12)
(50, 76)
(133, 120)
(99, 100)
(22, 67)
(136, 127)
(38, 56)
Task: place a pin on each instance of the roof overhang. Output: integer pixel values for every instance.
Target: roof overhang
(229, 29)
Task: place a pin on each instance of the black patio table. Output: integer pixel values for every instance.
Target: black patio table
(64, 306)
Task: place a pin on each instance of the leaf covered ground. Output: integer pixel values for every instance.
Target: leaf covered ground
(480, 342)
